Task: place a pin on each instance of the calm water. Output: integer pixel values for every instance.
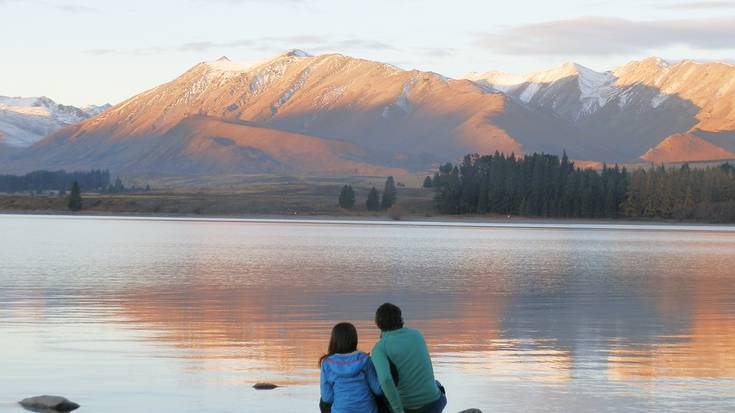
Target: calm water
(127, 315)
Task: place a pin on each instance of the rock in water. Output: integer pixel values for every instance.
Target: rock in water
(264, 386)
(48, 404)
(471, 411)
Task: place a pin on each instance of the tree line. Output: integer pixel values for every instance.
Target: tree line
(374, 201)
(95, 179)
(549, 186)
(682, 193)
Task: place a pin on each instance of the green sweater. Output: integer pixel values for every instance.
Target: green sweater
(407, 350)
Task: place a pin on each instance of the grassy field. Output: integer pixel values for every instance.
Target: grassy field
(256, 195)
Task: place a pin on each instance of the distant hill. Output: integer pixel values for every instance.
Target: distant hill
(684, 147)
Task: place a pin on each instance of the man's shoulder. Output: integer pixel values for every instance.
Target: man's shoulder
(408, 331)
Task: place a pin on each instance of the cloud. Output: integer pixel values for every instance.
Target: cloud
(606, 35)
(73, 8)
(701, 5)
(313, 43)
(209, 2)
(142, 51)
(355, 44)
(438, 52)
(65, 7)
(207, 45)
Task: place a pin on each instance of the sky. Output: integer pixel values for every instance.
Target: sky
(104, 51)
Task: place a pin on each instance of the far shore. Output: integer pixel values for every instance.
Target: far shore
(295, 201)
(437, 220)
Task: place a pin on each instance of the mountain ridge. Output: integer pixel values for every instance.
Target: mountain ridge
(646, 100)
(372, 117)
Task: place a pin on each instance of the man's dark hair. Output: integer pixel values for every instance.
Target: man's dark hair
(388, 317)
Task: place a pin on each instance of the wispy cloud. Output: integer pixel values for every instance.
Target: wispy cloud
(606, 35)
(354, 44)
(700, 5)
(141, 51)
(60, 6)
(73, 8)
(209, 2)
(313, 43)
(438, 52)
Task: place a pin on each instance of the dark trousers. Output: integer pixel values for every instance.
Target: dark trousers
(434, 407)
(381, 401)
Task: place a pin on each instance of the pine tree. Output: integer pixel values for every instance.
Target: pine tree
(483, 201)
(389, 193)
(373, 200)
(347, 197)
(427, 182)
(119, 187)
(75, 198)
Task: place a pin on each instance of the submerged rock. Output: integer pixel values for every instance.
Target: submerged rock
(264, 386)
(46, 404)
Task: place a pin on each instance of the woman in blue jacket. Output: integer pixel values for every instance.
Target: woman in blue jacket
(348, 380)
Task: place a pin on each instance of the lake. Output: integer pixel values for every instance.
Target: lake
(177, 315)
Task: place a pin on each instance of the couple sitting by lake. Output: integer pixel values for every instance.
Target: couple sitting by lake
(397, 377)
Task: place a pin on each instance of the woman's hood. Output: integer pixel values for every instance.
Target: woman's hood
(347, 365)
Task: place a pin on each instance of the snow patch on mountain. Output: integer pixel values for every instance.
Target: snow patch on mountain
(297, 53)
(268, 74)
(659, 99)
(402, 103)
(94, 110)
(330, 97)
(224, 65)
(291, 90)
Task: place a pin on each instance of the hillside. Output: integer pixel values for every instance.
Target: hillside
(685, 147)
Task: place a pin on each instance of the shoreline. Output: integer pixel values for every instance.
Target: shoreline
(469, 221)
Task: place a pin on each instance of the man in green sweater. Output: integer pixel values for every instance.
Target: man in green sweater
(403, 364)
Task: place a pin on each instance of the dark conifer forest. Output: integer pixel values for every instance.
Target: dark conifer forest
(545, 185)
(55, 181)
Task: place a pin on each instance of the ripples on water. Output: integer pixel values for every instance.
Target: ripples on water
(176, 315)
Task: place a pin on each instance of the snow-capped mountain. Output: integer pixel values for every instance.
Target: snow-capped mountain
(334, 114)
(634, 107)
(291, 114)
(571, 90)
(25, 121)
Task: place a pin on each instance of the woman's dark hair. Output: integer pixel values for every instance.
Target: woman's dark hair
(343, 340)
(388, 317)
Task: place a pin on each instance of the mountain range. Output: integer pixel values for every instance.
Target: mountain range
(337, 115)
(25, 121)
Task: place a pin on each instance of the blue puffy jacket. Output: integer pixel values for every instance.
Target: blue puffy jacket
(348, 382)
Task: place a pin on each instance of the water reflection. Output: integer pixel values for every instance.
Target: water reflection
(702, 345)
(518, 319)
